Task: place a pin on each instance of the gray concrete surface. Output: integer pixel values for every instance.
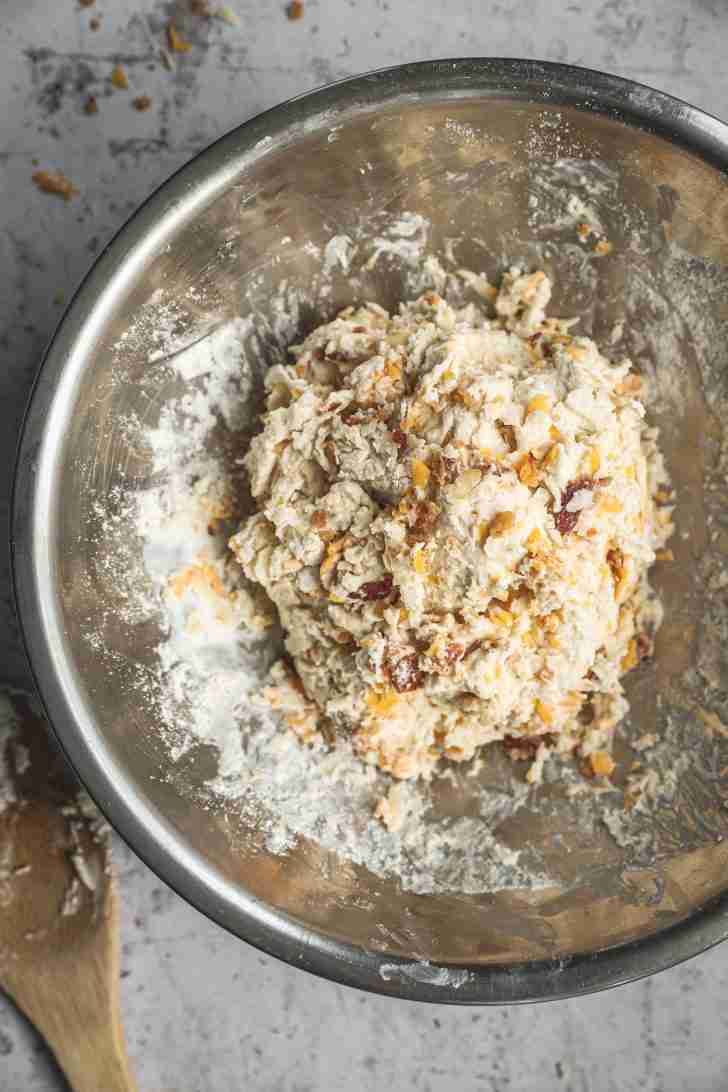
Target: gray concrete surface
(205, 1013)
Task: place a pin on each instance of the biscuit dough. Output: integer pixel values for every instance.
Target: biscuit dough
(456, 515)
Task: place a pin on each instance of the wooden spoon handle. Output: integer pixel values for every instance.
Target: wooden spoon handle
(93, 1058)
(75, 1007)
(89, 1049)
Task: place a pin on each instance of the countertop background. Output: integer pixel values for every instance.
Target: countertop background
(204, 1012)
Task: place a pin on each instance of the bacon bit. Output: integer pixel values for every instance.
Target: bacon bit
(175, 40)
(567, 521)
(507, 435)
(524, 748)
(663, 496)
(119, 78)
(54, 183)
(602, 763)
(644, 646)
(91, 106)
(141, 103)
(400, 438)
(465, 398)
(615, 560)
(444, 469)
(445, 658)
(294, 679)
(376, 589)
(427, 515)
(405, 674)
(319, 520)
(294, 10)
(338, 358)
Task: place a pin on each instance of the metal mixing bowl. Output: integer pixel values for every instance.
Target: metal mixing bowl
(468, 145)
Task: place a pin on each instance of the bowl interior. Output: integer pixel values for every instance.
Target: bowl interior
(483, 180)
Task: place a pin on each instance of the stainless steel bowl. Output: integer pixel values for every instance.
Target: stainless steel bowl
(465, 144)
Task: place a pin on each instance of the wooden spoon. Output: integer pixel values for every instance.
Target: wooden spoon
(59, 932)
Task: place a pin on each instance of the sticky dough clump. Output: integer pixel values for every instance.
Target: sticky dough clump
(456, 516)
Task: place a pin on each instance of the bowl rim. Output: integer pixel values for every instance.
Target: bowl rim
(189, 189)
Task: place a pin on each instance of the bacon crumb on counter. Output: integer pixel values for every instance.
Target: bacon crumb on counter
(175, 41)
(55, 183)
(119, 78)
